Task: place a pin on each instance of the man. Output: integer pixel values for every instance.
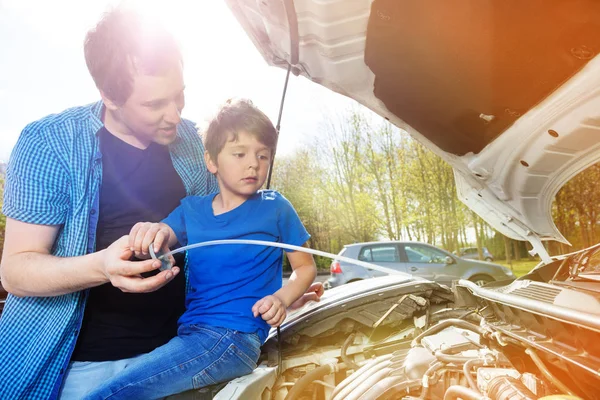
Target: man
(77, 181)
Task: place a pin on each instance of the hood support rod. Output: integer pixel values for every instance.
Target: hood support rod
(292, 18)
(278, 126)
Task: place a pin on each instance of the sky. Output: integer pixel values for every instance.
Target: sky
(43, 71)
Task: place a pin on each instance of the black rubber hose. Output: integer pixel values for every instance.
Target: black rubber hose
(351, 364)
(467, 370)
(546, 372)
(430, 371)
(451, 359)
(461, 392)
(310, 377)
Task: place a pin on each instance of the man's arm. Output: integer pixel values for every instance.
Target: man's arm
(28, 268)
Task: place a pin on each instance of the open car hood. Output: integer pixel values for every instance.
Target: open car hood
(364, 302)
(506, 92)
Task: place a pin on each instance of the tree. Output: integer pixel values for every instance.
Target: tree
(295, 177)
(345, 180)
(576, 210)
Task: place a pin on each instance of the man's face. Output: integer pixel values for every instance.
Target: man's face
(242, 166)
(153, 110)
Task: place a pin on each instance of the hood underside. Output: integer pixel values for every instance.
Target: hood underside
(506, 92)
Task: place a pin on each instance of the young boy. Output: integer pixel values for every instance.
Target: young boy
(236, 291)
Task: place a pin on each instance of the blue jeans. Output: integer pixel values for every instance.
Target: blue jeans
(83, 376)
(200, 355)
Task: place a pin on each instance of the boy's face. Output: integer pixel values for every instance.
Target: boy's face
(153, 110)
(241, 166)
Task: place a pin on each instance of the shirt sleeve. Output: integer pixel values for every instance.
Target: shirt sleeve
(290, 226)
(37, 181)
(176, 221)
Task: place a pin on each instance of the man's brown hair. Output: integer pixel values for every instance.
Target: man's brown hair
(238, 115)
(124, 43)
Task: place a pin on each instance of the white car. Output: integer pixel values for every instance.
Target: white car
(508, 93)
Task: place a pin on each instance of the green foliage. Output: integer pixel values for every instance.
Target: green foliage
(576, 211)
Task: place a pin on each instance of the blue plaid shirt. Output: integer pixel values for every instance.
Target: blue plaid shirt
(53, 178)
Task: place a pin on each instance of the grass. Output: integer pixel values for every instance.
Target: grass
(519, 268)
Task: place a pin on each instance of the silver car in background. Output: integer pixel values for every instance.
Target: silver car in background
(472, 253)
(415, 258)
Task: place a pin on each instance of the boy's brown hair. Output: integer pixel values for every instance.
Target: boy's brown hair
(238, 115)
(124, 43)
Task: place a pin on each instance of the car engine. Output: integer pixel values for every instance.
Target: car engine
(454, 359)
(431, 343)
(532, 338)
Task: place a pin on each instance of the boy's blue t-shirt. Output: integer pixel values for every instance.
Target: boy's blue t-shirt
(227, 280)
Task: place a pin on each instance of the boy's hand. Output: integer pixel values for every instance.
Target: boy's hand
(272, 310)
(313, 293)
(145, 233)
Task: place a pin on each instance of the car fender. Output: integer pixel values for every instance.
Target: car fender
(475, 268)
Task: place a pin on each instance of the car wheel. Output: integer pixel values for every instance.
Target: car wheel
(481, 280)
(489, 259)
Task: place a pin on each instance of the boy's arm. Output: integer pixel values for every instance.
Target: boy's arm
(272, 308)
(143, 234)
(303, 275)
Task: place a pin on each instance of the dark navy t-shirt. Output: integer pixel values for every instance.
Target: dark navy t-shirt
(137, 185)
(228, 279)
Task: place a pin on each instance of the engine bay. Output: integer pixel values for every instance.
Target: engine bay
(430, 344)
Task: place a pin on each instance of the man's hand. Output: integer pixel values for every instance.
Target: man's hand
(126, 275)
(272, 310)
(313, 293)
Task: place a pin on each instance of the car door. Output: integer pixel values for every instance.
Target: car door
(385, 254)
(428, 262)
